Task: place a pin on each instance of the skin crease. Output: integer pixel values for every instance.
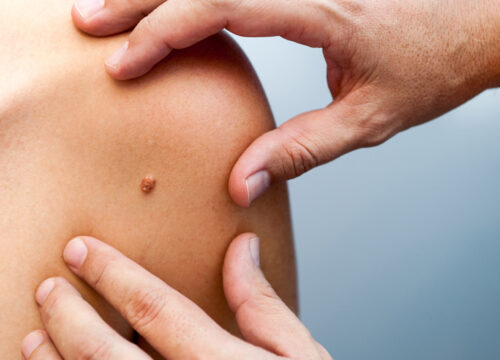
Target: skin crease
(392, 65)
(75, 146)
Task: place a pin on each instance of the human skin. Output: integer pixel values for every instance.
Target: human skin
(171, 323)
(76, 145)
(392, 64)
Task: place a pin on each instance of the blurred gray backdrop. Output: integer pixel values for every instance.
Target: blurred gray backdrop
(398, 246)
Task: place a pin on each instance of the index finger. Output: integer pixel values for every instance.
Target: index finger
(177, 24)
(171, 323)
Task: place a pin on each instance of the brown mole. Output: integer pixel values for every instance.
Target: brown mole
(148, 184)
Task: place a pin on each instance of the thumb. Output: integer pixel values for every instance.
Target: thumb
(297, 146)
(264, 320)
(106, 17)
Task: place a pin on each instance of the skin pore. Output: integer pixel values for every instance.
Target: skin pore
(142, 165)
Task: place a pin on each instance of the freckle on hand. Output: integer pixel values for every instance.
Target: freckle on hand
(148, 184)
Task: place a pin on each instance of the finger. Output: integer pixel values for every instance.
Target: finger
(100, 17)
(75, 327)
(177, 24)
(262, 317)
(305, 142)
(37, 346)
(171, 323)
(302, 143)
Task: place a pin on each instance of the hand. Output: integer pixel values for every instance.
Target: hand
(171, 323)
(391, 65)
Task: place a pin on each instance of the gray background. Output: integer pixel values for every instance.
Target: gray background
(398, 246)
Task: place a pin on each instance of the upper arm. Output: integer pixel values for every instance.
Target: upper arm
(185, 124)
(75, 146)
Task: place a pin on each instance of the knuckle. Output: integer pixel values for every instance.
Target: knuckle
(101, 277)
(139, 7)
(267, 292)
(152, 27)
(144, 307)
(150, 24)
(270, 303)
(53, 306)
(265, 300)
(219, 4)
(224, 5)
(300, 155)
(100, 349)
(373, 131)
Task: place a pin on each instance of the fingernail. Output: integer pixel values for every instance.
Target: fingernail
(44, 290)
(257, 184)
(33, 340)
(254, 250)
(75, 253)
(114, 59)
(88, 8)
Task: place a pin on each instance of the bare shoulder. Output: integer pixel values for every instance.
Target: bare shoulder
(82, 147)
(212, 83)
(185, 124)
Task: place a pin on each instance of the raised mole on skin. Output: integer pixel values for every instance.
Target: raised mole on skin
(148, 184)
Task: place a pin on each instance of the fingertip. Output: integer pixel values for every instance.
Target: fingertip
(116, 72)
(44, 289)
(91, 25)
(239, 252)
(120, 72)
(114, 64)
(256, 170)
(247, 184)
(127, 64)
(136, 57)
(239, 242)
(238, 190)
(53, 285)
(32, 341)
(241, 262)
(99, 20)
(254, 249)
(77, 17)
(75, 253)
(244, 191)
(81, 245)
(257, 184)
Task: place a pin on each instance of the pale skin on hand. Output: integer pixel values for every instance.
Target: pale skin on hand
(392, 64)
(171, 323)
